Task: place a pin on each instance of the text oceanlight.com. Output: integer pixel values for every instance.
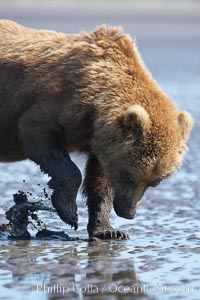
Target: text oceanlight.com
(112, 288)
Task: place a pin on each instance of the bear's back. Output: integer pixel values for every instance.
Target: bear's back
(19, 43)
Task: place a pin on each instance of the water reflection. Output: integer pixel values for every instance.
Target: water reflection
(69, 268)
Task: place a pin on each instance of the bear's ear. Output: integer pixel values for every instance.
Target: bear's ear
(186, 123)
(137, 119)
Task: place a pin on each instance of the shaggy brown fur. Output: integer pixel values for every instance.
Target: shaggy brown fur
(89, 92)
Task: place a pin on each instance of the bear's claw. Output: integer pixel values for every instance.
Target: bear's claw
(69, 217)
(67, 212)
(109, 234)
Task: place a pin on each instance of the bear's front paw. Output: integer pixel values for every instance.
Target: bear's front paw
(70, 217)
(109, 234)
(67, 211)
(64, 202)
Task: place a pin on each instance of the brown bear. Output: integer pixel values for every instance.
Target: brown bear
(92, 93)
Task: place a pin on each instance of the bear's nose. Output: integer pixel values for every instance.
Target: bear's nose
(124, 213)
(129, 216)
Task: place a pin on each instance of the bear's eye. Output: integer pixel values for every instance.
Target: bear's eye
(166, 176)
(156, 182)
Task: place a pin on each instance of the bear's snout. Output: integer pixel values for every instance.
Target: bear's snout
(124, 214)
(125, 207)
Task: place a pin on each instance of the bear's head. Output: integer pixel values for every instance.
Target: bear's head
(140, 149)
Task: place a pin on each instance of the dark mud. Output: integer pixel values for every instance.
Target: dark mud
(23, 213)
(18, 216)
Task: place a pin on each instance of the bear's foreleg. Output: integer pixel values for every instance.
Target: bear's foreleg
(65, 182)
(99, 201)
(44, 146)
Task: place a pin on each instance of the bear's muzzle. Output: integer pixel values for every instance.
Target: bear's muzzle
(125, 207)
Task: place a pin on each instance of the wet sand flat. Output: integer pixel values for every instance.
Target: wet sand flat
(161, 259)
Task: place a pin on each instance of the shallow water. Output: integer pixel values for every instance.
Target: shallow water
(161, 259)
